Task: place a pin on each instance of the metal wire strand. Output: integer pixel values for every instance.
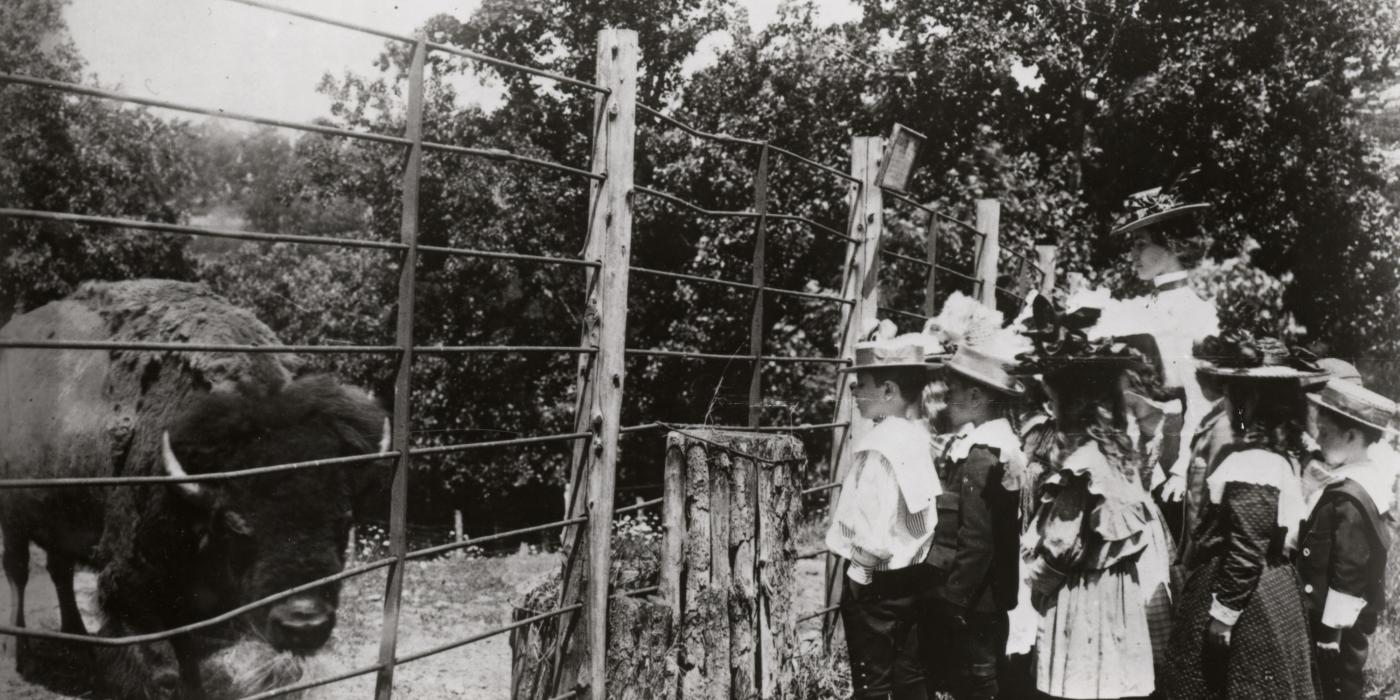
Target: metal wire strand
(179, 229)
(74, 88)
(740, 285)
(743, 214)
(430, 44)
(192, 478)
(694, 131)
(499, 154)
(933, 212)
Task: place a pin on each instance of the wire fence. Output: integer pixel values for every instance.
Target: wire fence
(585, 521)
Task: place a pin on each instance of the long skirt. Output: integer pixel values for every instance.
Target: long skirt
(1154, 577)
(1095, 642)
(1270, 657)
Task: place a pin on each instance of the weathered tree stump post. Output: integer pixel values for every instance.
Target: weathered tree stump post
(730, 561)
(722, 623)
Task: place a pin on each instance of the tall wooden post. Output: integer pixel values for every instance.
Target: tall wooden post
(988, 255)
(931, 249)
(861, 287)
(403, 337)
(760, 248)
(1045, 254)
(605, 327)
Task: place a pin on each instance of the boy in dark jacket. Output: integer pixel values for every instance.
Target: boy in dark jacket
(1342, 553)
(974, 560)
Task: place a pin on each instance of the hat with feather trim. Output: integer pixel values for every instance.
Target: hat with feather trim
(1154, 206)
(1061, 339)
(1242, 355)
(982, 350)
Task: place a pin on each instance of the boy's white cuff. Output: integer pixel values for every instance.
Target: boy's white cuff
(859, 574)
(1224, 613)
(1341, 610)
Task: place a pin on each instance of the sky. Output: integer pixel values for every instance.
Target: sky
(222, 55)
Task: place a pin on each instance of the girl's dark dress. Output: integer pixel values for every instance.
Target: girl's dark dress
(1245, 539)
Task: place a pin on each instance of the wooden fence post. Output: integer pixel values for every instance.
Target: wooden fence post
(1045, 254)
(760, 205)
(403, 337)
(989, 254)
(931, 249)
(585, 576)
(861, 288)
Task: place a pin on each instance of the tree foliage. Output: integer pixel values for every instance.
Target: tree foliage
(1058, 110)
(79, 155)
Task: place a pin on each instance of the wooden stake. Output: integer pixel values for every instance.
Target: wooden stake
(861, 285)
(931, 248)
(1045, 255)
(989, 224)
(605, 326)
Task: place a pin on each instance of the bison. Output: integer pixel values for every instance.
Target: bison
(170, 555)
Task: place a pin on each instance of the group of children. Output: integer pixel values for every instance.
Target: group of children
(1069, 507)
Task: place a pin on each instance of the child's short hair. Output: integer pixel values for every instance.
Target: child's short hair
(1370, 434)
(910, 380)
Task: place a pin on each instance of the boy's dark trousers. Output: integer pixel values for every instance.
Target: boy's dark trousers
(1340, 671)
(964, 651)
(881, 621)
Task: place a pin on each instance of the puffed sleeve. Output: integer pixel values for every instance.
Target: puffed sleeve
(1350, 563)
(1251, 516)
(865, 514)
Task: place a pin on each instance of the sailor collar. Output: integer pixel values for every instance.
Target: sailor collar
(1373, 478)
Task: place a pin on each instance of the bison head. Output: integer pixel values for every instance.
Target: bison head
(263, 534)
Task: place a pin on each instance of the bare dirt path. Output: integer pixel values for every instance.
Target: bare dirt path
(444, 601)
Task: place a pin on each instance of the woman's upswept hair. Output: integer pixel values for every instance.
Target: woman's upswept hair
(1184, 237)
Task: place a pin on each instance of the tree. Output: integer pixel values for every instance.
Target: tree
(79, 155)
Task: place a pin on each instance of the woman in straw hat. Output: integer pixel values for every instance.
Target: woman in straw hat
(1342, 558)
(1093, 525)
(1167, 242)
(1240, 630)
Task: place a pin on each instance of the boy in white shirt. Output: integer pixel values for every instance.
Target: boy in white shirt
(883, 522)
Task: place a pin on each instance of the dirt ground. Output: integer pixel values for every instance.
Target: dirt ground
(444, 600)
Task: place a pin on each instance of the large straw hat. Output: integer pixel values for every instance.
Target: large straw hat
(1357, 403)
(1154, 206)
(901, 352)
(985, 368)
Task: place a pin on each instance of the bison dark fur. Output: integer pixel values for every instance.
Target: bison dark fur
(167, 556)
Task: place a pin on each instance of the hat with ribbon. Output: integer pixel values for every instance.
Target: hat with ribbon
(902, 352)
(1061, 339)
(985, 368)
(881, 348)
(1241, 355)
(982, 350)
(1357, 403)
(1153, 206)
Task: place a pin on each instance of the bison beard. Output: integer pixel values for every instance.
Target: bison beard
(170, 556)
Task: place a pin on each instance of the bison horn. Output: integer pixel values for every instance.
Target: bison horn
(384, 439)
(173, 468)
